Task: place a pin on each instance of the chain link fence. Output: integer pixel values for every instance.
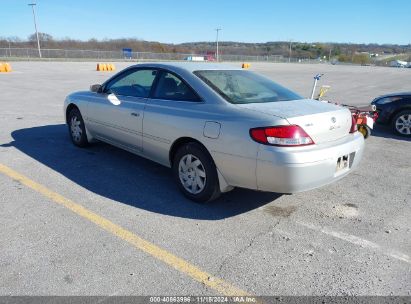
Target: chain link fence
(61, 54)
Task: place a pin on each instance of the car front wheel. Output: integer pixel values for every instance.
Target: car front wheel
(77, 129)
(195, 173)
(401, 123)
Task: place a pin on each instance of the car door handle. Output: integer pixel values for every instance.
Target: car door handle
(135, 114)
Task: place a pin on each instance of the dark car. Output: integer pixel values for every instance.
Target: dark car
(395, 110)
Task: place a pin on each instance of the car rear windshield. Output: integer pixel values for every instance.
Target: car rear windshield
(239, 86)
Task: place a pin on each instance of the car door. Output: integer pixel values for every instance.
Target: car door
(116, 114)
(172, 111)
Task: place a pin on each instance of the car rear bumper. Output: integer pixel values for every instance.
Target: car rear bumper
(291, 170)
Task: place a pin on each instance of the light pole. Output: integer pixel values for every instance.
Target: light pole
(217, 55)
(289, 56)
(8, 40)
(35, 27)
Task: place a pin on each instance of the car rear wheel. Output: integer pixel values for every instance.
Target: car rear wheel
(77, 129)
(401, 123)
(195, 173)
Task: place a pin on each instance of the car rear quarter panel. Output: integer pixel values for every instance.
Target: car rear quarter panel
(233, 151)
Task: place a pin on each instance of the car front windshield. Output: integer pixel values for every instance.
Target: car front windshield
(239, 86)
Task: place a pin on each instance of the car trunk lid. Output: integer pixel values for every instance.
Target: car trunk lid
(323, 122)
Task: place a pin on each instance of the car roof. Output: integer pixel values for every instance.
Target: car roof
(190, 66)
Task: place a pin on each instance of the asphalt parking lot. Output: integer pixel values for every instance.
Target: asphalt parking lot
(349, 238)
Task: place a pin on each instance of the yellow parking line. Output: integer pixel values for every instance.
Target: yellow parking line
(149, 248)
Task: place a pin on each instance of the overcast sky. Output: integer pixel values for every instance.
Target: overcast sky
(361, 21)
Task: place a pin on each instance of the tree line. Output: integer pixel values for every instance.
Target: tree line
(344, 52)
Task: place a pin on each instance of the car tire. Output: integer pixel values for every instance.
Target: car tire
(364, 130)
(401, 123)
(195, 173)
(77, 128)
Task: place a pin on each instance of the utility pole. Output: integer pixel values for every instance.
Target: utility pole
(329, 55)
(217, 55)
(35, 26)
(8, 40)
(289, 57)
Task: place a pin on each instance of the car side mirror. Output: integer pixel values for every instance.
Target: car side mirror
(96, 88)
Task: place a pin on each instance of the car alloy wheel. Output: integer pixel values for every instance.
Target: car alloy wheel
(192, 174)
(403, 124)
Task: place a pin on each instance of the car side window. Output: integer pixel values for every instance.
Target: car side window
(136, 83)
(171, 87)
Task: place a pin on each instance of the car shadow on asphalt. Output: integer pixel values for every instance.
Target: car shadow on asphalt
(386, 132)
(126, 178)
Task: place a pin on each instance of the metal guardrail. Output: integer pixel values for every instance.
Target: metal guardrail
(62, 54)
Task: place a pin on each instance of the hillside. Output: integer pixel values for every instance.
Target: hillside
(341, 51)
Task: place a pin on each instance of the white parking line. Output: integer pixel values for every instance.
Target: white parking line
(360, 242)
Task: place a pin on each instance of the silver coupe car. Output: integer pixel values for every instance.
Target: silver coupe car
(218, 127)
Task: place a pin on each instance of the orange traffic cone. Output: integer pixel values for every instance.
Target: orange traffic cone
(7, 67)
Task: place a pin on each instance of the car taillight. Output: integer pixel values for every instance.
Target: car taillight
(288, 136)
(353, 125)
(375, 116)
